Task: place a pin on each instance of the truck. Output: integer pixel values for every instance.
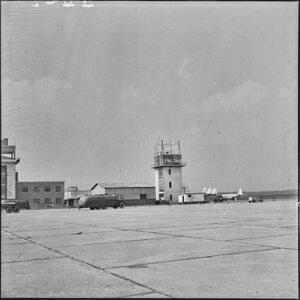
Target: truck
(255, 199)
(14, 205)
(100, 202)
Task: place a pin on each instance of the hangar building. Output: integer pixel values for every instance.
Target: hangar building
(131, 193)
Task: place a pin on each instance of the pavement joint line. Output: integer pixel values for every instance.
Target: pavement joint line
(186, 236)
(219, 240)
(249, 244)
(167, 226)
(214, 223)
(83, 224)
(192, 258)
(138, 294)
(138, 283)
(117, 242)
(259, 237)
(275, 247)
(38, 229)
(271, 227)
(169, 234)
(75, 233)
(96, 267)
(30, 260)
(204, 228)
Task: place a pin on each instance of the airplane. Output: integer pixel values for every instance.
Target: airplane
(231, 196)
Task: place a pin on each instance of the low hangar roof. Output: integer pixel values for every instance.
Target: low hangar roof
(122, 185)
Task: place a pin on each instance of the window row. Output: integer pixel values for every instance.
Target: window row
(37, 189)
(47, 201)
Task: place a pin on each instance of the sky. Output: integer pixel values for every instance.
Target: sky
(86, 93)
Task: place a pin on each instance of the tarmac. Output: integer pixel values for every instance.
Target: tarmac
(213, 250)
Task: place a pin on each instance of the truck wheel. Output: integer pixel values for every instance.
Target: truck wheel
(92, 208)
(122, 205)
(16, 209)
(8, 210)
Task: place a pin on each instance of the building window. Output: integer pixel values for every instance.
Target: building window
(47, 200)
(36, 189)
(25, 189)
(143, 196)
(36, 201)
(47, 188)
(58, 188)
(170, 197)
(58, 200)
(189, 196)
(170, 184)
(169, 171)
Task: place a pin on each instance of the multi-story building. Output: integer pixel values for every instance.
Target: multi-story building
(168, 173)
(41, 194)
(9, 176)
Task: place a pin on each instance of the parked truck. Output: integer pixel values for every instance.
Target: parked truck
(14, 205)
(100, 202)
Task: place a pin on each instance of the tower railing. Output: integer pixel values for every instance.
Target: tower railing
(166, 163)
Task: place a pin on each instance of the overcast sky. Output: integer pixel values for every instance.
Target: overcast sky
(88, 92)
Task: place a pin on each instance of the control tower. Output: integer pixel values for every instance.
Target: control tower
(168, 172)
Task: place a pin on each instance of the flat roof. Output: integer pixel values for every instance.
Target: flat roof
(124, 185)
(33, 182)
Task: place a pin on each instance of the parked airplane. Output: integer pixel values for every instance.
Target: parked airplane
(231, 196)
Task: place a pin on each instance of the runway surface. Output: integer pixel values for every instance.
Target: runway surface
(235, 250)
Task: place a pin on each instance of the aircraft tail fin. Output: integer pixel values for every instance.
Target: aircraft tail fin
(240, 192)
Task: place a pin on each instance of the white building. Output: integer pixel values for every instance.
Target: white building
(191, 197)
